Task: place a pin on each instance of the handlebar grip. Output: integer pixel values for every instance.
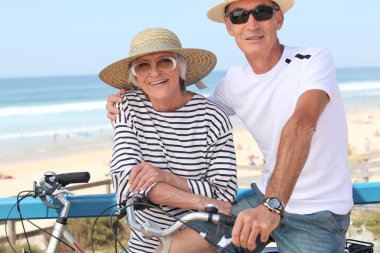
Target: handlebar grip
(75, 177)
(230, 220)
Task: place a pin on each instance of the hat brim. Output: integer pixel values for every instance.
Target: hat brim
(199, 64)
(217, 13)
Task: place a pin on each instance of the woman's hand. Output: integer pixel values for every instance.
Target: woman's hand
(112, 111)
(144, 175)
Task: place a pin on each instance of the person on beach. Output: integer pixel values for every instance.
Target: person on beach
(172, 145)
(289, 100)
(5, 176)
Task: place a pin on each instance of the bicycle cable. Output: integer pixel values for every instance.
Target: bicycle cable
(114, 227)
(7, 219)
(35, 225)
(21, 218)
(114, 231)
(93, 225)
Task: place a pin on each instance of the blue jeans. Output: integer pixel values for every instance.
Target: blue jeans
(321, 232)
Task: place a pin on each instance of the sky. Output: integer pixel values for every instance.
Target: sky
(71, 37)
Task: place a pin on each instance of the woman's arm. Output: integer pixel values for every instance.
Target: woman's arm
(218, 183)
(220, 180)
(165, 194)
(145, 174)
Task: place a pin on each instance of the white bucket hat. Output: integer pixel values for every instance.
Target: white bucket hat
(199, 62)
(217, 13)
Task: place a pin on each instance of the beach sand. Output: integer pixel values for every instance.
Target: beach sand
(364, 131)
(28, 164)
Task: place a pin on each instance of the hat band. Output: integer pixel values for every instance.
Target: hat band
(153, 48)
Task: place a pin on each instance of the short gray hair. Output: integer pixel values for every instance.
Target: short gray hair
(182, 65)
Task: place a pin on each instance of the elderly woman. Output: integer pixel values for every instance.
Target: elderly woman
(170, 144)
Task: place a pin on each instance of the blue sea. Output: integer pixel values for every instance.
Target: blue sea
(74, 106)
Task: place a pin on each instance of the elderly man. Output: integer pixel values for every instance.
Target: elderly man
(289, 100)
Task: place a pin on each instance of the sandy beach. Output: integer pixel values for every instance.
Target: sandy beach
(25, 165)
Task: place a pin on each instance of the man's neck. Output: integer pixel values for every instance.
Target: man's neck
(264, 62)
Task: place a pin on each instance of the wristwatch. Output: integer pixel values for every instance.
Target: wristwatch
(275, 205)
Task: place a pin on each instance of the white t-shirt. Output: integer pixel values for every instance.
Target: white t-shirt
(265, 102)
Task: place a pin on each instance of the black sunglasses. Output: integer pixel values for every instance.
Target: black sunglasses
(260, 13)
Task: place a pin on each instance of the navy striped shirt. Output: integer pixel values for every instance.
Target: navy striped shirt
(194, 142)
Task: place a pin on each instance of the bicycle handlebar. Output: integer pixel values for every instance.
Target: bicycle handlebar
(68, 178)
(51, 183)
(150, 230)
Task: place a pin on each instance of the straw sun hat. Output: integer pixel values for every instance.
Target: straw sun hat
(217, 12)
(199, 62)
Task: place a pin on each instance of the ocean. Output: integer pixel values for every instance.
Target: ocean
(74, 106)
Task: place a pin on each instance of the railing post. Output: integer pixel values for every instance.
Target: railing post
(11, 230)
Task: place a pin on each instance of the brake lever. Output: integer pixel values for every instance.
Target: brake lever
(42, 193)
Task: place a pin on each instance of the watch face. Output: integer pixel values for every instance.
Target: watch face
(274, 203)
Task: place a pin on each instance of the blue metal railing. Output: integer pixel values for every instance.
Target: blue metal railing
(94, 205)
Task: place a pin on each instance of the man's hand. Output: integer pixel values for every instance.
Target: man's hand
(144, 175)
(111, 100)
(253, 222)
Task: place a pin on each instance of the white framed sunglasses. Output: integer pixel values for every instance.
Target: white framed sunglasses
(162, 65)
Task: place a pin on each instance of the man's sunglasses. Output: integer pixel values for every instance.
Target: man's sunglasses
(260, 13)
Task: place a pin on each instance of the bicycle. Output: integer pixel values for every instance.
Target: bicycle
(210, 214)
(52, 186)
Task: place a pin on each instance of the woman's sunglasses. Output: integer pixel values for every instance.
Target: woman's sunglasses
(162, 65)
(260, 13)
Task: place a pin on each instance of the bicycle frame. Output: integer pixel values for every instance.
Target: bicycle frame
(60, 229)
(59, 232)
